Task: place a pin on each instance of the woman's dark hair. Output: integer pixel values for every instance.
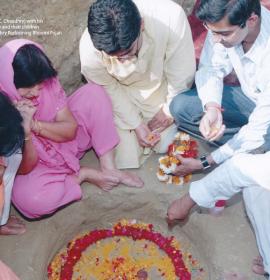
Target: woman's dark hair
(237, 11)
(113, 24)
(11, 129)
(31, 66)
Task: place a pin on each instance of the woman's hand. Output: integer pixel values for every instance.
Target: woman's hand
(27, 111)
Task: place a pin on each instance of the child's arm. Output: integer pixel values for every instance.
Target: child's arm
(29, 156)
(29, 153)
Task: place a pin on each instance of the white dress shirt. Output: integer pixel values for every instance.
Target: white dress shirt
(252, 70)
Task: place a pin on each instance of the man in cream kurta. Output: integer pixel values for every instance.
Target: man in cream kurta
(144, 85)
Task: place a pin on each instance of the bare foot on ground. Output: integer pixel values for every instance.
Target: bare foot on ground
(257, 266)
(128, 178)
(234, 276)
(14, 226)
(106, 180)
(180, 208)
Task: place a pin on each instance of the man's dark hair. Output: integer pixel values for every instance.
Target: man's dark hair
(113, 24)
(11, 129)
(31, 66)
(237, 11)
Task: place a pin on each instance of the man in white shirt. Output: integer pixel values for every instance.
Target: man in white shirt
(226, 48)
(142, 53)
(239, 39)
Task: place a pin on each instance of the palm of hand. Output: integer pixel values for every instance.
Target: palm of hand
(211, 124)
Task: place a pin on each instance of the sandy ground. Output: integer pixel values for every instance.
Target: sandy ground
(221, 244)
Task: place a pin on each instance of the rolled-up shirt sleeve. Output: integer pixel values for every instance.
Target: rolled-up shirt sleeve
(180, 65)
(214, 66)
(250, 136)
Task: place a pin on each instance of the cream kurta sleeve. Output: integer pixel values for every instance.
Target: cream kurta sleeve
(180, 63)
(127, 116)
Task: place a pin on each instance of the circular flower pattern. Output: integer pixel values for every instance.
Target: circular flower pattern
(128, 251)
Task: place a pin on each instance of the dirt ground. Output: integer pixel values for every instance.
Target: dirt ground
(221, 244)
(224, 243)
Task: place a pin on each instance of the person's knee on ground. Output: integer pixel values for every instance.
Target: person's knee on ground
(43, 201)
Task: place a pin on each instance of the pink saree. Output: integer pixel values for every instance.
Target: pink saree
(52, 182)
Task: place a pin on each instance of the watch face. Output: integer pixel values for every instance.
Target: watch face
(204, 162)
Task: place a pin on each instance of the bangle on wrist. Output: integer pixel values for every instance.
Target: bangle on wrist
(205, 163)
(216, 106)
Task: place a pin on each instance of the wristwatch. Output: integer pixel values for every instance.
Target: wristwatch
(205, 162)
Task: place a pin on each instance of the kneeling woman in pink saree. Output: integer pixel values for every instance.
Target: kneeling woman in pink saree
(63, 129)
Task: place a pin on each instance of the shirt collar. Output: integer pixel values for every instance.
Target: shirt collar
(255, 52)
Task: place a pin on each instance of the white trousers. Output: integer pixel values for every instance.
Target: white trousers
(250, 174)
(12, 163)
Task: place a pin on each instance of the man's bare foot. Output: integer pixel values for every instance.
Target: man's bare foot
(14, 226)
(257, 266)
(234, 276)
(106, 180)
(180, 208)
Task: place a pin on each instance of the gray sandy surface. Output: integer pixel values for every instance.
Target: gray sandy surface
(224, 243)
